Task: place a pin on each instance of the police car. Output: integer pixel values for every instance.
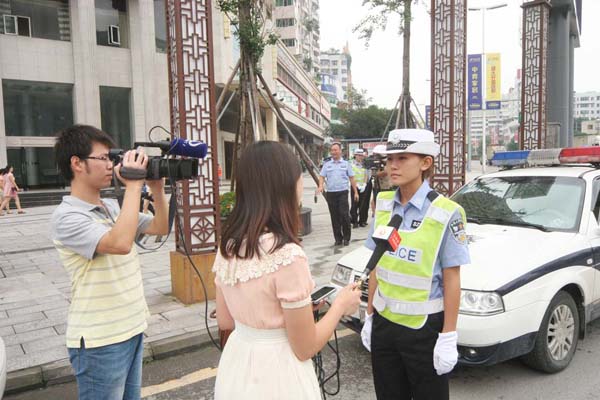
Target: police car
(534, 240)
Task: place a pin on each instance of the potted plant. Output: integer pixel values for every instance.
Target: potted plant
(227, 202)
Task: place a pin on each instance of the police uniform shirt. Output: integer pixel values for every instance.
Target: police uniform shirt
(453, 250)
(337, 173)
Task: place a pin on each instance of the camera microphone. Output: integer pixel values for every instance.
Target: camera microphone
(179, 147)
(386, 238)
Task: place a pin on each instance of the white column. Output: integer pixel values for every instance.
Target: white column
(3, 153)
(144, 90)
(86, 93)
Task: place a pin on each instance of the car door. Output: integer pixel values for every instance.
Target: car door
(594, 238)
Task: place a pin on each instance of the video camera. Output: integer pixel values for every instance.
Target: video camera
(163, 167)
(372, 162)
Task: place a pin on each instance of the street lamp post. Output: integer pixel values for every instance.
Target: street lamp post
(483, 63)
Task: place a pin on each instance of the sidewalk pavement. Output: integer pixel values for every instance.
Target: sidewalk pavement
(35, 294)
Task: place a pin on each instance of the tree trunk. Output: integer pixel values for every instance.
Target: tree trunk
(405, 118)
(250, 126)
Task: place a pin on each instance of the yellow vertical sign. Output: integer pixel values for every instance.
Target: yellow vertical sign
(493, 78)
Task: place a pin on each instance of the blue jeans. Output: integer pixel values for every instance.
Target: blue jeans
(112, 372)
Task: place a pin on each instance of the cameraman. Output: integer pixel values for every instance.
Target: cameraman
(381, 179)
(94, 239)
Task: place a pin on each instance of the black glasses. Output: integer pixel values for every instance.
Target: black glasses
(101, 158)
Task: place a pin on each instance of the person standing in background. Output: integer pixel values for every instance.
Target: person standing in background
(361, 176)
(11, 191)
(337, 172)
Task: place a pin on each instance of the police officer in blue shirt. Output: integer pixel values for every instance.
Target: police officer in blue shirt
(338, 174)
(414, 293)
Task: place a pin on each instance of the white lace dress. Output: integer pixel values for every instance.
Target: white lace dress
(258, 362)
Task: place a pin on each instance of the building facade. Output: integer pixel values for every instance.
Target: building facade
(99, 62)
(297, 23)
(104, 63)
(587, 105)
(336, 75)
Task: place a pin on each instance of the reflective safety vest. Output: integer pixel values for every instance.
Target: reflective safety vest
(360, 173)
(404, 277)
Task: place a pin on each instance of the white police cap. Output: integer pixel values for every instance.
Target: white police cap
(417, 141)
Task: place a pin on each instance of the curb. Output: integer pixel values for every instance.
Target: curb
(60, 371)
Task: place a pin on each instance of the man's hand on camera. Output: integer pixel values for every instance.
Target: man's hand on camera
(132, 159)
(157, 185)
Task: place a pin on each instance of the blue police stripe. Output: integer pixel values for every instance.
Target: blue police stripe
(578, 258)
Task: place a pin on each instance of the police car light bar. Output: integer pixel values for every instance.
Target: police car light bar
(586, 155)
(524, 158)
(510, 158)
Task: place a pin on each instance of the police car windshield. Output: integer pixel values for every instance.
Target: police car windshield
(541, 202)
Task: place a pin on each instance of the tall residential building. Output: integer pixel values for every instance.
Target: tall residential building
(297, 23)
(104, 63)
(587, 105)
(502, 126)
(336, 75)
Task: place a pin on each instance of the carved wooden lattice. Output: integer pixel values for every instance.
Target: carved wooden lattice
(533, 88)
(191, 74)
(448, 69)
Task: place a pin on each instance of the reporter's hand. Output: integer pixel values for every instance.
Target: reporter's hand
(131, 161)
(348, 299)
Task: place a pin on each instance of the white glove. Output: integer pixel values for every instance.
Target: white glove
(361, 188)
(365, 333)
(445, 353)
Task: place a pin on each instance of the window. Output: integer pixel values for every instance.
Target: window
(115, 114)
(553, 202)
(325, 62)
(343, 62)
(285, 77)
(160, 26)
(284, 22)
(112, 26)
(334, 62)
(344, 71)
(283, 3)
(344, 80)
(289, 42)
(36, 108)
(44, 19)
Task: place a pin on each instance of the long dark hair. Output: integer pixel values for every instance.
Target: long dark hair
(265, 200)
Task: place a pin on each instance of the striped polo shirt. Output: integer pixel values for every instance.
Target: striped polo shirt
(107, 296)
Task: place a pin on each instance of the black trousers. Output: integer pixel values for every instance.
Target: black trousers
(402, 360)
(340, 217)
(359, 210)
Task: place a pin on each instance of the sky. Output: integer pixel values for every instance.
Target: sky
(378, 69)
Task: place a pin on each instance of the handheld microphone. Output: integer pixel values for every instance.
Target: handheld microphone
(180, 147)
(386, 238)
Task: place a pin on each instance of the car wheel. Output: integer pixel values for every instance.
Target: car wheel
(557, 338)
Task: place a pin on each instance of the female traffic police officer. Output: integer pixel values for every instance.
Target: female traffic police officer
(414, 293)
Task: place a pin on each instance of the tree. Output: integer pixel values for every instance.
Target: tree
(246, 17)
(366, 122)
(358, 99)
(377, 19)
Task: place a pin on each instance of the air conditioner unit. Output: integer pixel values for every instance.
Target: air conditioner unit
(114, 35)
